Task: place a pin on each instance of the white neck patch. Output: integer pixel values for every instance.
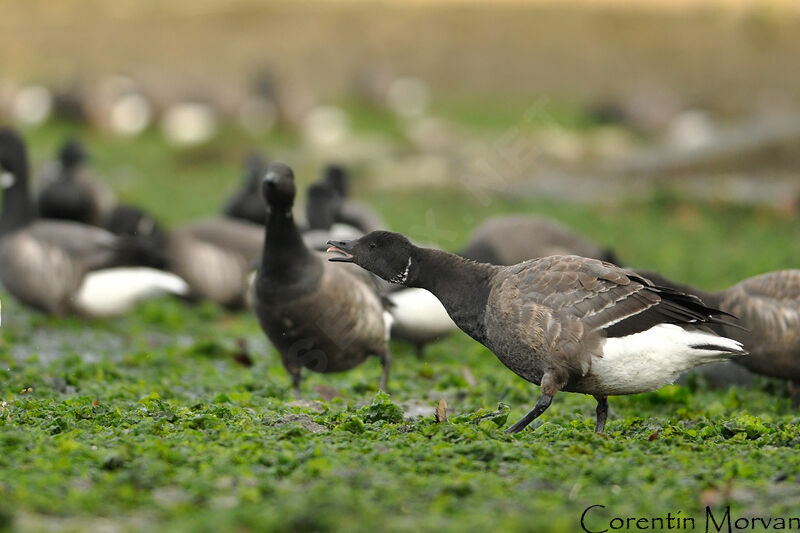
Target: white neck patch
(403, 276)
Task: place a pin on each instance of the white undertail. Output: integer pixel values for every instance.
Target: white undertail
(115, 291)
(649, 360)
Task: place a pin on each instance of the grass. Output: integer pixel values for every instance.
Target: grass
(149, 423)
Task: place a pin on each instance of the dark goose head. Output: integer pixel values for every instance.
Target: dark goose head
(71, 155)
(17, 208)
(278, 187)
(246, 203)
(337, 177)
(131, 221)
(322, 206)
(252, 171)
(388, 255)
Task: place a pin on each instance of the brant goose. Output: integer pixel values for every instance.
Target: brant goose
(767, 305)
(136, 222)
(567, 323)
(63, 266)
(322, 207)
(319, 316)
(351, 212)
(216, 257)
(70, 193)
(508, 240)
(246, 203)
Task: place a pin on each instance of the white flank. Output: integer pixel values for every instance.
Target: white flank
(649, 360)
(249, 293)
(388, 320)
(419, 314)
(115, 291)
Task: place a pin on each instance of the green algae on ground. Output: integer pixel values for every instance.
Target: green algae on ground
(149, 422)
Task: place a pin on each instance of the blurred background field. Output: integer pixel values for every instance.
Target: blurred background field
(667, 131)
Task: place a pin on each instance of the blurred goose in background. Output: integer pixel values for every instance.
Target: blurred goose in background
(512, 239)
(246, 203)
(767, 305)
(64, 267)
(69, 192)
(319, 316)
(419, 318)
(351, 212)
(136, 222)
(216, 257)
(322, 206)
(563, 322)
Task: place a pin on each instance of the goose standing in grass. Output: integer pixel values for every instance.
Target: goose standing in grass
(567, 323)
(512, 239)
(767, 305)
(69, 192)
(351, 212)
(319, 316)
(64, 267)
(246, 203)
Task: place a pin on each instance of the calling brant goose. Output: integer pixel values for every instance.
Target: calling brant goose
(567, 323)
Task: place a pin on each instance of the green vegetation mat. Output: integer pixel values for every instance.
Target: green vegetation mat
(149, 423)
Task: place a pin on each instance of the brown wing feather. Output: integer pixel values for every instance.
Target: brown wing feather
(589, 290)
(559, 309)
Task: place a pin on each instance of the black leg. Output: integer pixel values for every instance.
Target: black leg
(295, 373)
(541, 407)
(386, 362)
(602, 414)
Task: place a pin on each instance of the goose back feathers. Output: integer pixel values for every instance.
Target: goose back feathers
(508, 240)
(216, 257)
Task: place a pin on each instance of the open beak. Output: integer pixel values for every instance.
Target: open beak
(340, 247)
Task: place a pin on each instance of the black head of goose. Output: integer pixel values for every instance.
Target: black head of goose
(61, 267)
(318, 316)
(768, 306)
(322, 208)
(134, 221)
(350, 212)
(70, 193)
(18, 211)
(567, 323)
(246, 203)
(508, 240)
